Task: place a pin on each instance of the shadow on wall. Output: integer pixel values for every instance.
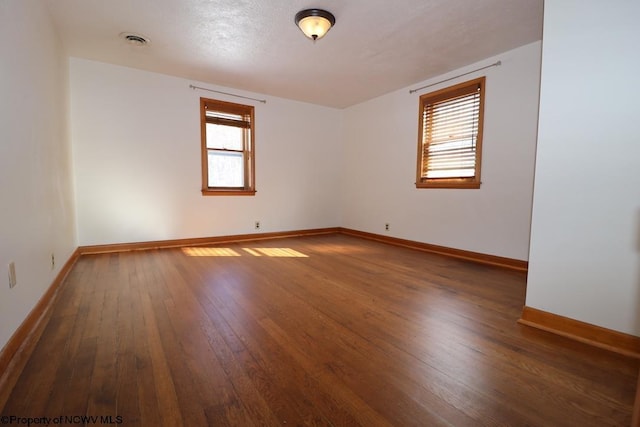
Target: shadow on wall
(637, 239)
(635, 422)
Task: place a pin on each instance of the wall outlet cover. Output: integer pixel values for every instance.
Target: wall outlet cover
(12, 275)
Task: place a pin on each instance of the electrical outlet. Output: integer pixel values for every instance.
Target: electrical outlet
(12, 274)
(257, 225)
(53, 261)
(386, 226)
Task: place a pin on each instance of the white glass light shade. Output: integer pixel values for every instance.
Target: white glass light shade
(314, 27)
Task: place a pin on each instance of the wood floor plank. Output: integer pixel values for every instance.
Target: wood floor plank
(315, 330)
(275, 372)
(40, 372)
(168, 403)
(127, 390)
(243, 370)
(152, 409)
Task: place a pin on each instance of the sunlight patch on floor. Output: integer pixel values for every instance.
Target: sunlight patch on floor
(209, 252)
(276, 252)
(225, 252)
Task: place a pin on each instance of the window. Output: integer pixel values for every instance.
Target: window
(228, 166)
(450, 140)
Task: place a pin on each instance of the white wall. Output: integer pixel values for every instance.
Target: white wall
(36, 214)
(136, 144)
(585, 239)
(381, 137)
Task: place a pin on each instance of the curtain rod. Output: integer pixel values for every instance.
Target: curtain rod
(264, 101)
(495, 64)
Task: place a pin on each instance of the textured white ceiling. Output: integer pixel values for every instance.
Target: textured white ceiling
(376, 46)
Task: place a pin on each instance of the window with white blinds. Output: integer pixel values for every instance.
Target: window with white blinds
(227, 148)
(450, 140)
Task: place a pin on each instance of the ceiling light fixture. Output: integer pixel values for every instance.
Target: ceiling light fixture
(315, 23)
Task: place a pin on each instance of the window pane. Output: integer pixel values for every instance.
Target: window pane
(224, 137)
(226, 169)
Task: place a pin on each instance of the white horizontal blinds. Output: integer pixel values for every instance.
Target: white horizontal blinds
(228, 119)
(449, 134)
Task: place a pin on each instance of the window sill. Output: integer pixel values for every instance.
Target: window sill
(449, 184)
(211, 192)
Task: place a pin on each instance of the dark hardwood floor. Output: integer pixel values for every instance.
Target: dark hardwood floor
(319, 330)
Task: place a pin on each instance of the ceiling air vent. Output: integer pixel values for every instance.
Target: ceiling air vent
(135, 39)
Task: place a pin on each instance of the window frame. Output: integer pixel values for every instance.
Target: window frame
(451, 92)
(248, 150)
